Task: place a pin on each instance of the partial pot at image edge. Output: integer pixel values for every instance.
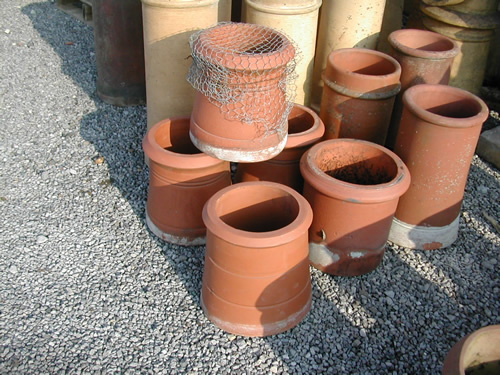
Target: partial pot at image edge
(477, 353)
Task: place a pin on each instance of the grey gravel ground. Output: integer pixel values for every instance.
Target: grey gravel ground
(86, 288)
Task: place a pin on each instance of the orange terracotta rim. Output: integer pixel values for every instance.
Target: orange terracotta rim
(258, 214)
(229, 45)
(354, 170)
(437, 104)
(156, 144)
(310, 129)
(423, 44)
(364, 73)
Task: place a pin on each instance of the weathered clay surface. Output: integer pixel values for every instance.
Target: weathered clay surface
(423, 237)
(438, 135)
(344, 263)
(352, 213)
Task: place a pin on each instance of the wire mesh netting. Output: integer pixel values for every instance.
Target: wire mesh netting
(246, 70)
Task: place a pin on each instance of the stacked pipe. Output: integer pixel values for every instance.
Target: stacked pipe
(472, 24)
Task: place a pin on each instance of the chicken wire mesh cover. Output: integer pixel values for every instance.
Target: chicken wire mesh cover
(247, 71)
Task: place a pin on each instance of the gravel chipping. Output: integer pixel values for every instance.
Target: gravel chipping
(85, 287)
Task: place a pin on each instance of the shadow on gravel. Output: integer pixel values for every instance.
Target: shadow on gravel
(363, 324)
(115, 132)
(382, 334)
(321, 329)
(462, 278)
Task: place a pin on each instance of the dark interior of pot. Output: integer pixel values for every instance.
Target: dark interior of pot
(357, 163)
(258, 209)
(484, 368)
(173, 136)
(299, 121)
(366, 63)
(448, 105)
(425, 41)
(481, 355)
(458, 109)
(263, 46)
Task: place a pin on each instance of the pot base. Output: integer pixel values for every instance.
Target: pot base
(260, 330)
(238, 154)
(135, 96)
(179, 240)
(344, 262)
(423, 238)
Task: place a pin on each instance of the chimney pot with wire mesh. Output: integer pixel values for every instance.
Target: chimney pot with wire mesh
(244, 76)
